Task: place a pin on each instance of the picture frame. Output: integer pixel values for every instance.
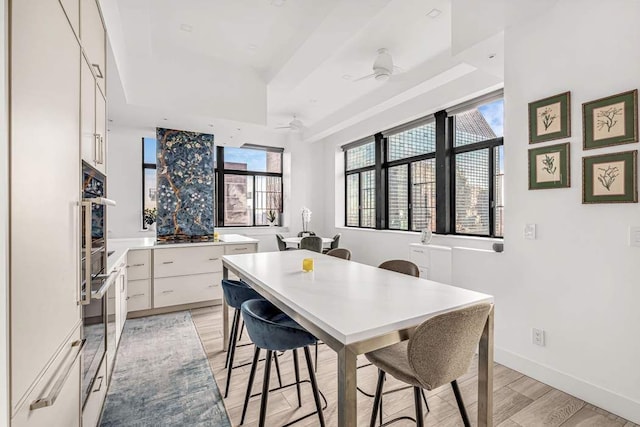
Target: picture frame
(610, 121)
(610, 178)
(550, 118)
(549, 167)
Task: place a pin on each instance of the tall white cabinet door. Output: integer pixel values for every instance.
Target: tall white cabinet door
(89, 142)
(45, 188)
(101, 132)
(93, 39)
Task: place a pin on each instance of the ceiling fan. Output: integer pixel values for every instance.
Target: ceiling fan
(382, 66)
(294, 125)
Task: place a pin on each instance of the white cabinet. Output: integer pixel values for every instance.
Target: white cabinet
(433, 261)
(65, 372)
(45, 196)
(93, 407)
(92, 37)
(138, 280)
(123, 303)
(178, 290)
(92, 132)
(189, 260)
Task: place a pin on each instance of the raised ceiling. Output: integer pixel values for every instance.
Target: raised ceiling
(252, 64)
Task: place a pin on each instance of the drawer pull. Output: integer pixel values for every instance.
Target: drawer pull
(417, 251)
(213, 259)
(137, 295)
(50, 399)
(167, 262)
(101, 378)
(240, 249)
(167, 292)
(213, 286)
(135, 265)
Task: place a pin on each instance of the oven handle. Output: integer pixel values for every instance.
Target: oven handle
(50, 399)
(86, 212)
(105, 285)
(100, 201)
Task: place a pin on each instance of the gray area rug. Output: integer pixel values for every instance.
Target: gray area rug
(162, 377)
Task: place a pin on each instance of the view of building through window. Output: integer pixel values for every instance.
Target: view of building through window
(251, 180)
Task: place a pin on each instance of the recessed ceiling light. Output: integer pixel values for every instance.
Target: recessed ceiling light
(492, 55)
(110, 120)
(434, 13)
(186, 28)
(165, 119)
(346, 77)
(252, 47)
(313, 101)
(277, 3)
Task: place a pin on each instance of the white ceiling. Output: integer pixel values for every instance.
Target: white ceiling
(246, 66)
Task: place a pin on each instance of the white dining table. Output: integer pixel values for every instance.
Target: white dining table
(356, 308)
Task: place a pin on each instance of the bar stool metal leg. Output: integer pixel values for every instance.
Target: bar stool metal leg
(234, 336)
(377, 399)
(297, 372)
(463, 410)
(265, 388)
(236, 313)
(314, 385)
(275, 357)
(252, 375)
(418, 401)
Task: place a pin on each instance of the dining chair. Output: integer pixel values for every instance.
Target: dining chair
(282, 246)
(235, 293)
(340, 253)
(306, 233)
(272, 330)
(334, 243)
(401, 266)
(312, 243)
(439, 352)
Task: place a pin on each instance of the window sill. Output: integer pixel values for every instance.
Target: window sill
(448, 240)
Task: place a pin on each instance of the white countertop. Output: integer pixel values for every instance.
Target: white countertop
(122, 246)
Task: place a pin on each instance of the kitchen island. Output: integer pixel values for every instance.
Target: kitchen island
(165, 277)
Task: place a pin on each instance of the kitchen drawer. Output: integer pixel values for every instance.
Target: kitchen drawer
(419, 256)
(186, 289)
(139, 295)
(187, 261)
(93, 407)
(139, 265)
(66, 409)
(247, 248)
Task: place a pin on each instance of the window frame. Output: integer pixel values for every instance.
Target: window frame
(220, 173)
(445, 169)
(146, 166)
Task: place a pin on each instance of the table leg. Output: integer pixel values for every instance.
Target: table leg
(347, 382)
(485, 374)
(225, 315)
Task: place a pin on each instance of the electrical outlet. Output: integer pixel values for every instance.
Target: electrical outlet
(537, 336)
(530, 231)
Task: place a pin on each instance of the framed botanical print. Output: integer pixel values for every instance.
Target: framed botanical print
(610, 121)
(549, 167)
(550, 118)
(610, 178)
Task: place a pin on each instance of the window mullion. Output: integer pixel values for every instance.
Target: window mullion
(409, 198)
(492, 203)
(444, 167)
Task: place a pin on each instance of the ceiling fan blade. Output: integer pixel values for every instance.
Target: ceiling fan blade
(365, 77)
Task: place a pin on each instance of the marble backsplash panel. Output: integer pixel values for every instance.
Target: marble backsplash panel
(185, 187)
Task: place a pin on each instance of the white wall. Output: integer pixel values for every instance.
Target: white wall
(579, 280)
(4, 226)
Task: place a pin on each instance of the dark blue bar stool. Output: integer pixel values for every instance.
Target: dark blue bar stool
(235, 293)
(272, 330)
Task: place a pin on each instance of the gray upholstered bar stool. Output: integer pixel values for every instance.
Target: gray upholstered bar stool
(311, 243)
(438, 353)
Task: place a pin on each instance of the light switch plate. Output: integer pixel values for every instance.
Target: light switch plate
(634, 236)
(530, 231)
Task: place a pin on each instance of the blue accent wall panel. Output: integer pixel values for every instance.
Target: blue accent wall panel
(185, 188)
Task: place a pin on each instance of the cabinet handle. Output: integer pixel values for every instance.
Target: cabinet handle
(96, 148)
(50, 399)
(101, 152)
(167, 262)
(98, 71)
(138, 295)
(212, 286)
(101, 378)
(213, 259)
(135, 265)
(417, 251)
(167, 292)
(240, 249)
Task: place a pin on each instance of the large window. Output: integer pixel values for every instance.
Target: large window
(149, 204)
(248, 184)
(444, 172)
(360, 184)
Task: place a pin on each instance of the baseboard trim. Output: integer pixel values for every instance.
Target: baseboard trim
(598, 396)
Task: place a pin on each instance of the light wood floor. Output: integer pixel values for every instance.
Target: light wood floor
(518, 399)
